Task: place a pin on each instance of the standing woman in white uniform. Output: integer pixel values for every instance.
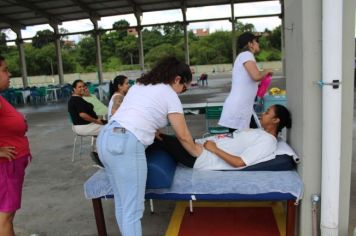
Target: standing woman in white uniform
(238, 106)
(147, 107)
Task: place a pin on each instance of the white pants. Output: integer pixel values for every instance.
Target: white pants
(89, 129)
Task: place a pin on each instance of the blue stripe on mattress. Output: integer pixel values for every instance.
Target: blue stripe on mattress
(225, 196)
(219, 197)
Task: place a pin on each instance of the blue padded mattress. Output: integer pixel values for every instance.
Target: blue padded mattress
(213, 185)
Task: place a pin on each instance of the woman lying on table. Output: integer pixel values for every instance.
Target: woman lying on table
(237, 150)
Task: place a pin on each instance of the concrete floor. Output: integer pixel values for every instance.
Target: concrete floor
(53, 200)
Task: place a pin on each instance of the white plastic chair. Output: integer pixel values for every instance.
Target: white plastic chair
(81, 143)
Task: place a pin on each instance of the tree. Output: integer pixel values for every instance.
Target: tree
(63, 31)
(151, 38)
(215, 48)
(42, 38)
(163, 50)
(127, 49)
(275, 38)
(249, 27)
(3, 46)
(172, 33)
(241, 27)
(86, 52)
(121, 27)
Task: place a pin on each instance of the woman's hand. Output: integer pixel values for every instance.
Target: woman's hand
(7, 152)
(158, 135)
(99, 121)
(268, 72)
(210, 146)
(199, 148)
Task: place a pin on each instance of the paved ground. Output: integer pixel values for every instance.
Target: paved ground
(53, 199)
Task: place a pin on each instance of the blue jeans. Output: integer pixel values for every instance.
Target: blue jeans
(125, 164)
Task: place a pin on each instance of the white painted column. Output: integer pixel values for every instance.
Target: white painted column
(98, 50)
(138, 16)
(57, 44)
(186, 38)
(331, 115)
(20, 45)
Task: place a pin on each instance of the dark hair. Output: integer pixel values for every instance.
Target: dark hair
(74, 84)
(244, 39)
(284, 116)
(1, 59)
(118, 80)
(166, 71)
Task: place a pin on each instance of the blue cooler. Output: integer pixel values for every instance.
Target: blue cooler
(269, 100)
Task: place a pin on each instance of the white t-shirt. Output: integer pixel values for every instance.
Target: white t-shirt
(145, 109)
(111, 103)
(238, 106)
(253, 146)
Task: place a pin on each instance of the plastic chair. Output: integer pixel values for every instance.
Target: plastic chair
(214, 113)
(81, 143)
(131, 82)
(10, 96)
(81, 140)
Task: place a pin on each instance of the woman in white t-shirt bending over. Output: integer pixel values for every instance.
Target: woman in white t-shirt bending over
(238, 106)
(147, 107)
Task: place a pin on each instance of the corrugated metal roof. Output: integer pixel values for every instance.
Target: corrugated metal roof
(24, 13)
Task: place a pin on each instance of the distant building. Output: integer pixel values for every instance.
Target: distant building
(201, 32)
(132, 31)
(68, 43)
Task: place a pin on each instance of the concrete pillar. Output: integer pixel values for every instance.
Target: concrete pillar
(233, 32)
(138, 16)
(282, 38)
(98, 50)
(348, 56)
(186, 38)
(57, 44)
(302, 32)
(20, 45)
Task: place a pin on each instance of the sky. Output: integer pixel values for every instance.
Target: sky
(244, 9)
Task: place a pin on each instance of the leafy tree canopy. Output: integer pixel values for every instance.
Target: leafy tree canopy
(42, 38)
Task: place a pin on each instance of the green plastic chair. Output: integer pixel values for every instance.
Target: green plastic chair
(42, 93)
(214, 113)
(92, 88)
(131, 82)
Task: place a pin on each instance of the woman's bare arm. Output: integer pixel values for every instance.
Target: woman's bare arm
(179, 126)
(254, 72)
(232, 160)
(116, 103)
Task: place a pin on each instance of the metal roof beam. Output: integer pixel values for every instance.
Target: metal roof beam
(134, 5)
(12, 23)
(91, 13)
(37, 10)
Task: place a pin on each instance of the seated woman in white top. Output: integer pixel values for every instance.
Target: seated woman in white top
(118, 89)
(236, 150)
(100, 108)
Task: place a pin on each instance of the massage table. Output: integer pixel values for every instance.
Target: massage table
(168, 181)
(273, 180)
